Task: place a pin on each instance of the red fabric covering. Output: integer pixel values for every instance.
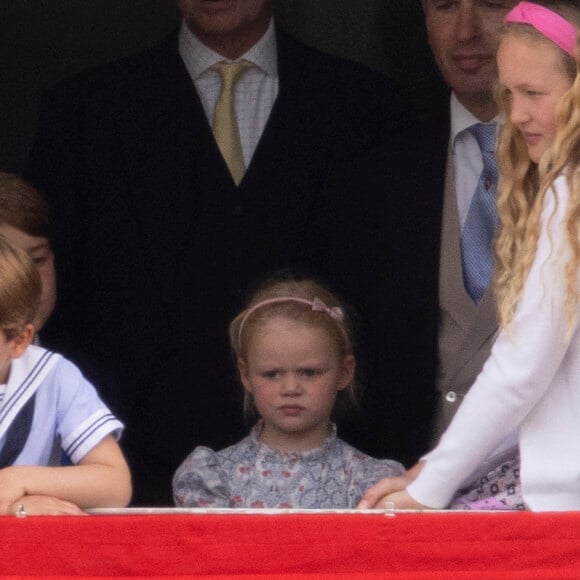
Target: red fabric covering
(294, 546)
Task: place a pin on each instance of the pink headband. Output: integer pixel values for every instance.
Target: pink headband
(548, 23)
(316, 305)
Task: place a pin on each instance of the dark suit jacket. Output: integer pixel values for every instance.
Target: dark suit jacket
(382, 242)
(157, 246)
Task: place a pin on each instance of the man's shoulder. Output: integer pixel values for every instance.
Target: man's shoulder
(128, 73)
(422, 144)
(328, 72)
(342, 99)
(314, 60)
(408, 169)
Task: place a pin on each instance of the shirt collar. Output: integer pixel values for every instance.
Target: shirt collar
(277, 456)
(198, 58)
(461, 118)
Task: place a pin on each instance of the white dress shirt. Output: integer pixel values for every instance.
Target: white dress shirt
(255, 92)
(531, 380)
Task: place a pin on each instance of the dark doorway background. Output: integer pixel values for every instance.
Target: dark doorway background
(42, 41)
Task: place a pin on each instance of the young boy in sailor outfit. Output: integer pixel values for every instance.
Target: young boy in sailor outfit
(47, 407)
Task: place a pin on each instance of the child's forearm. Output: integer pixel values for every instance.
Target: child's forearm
(101, 479)
(43, 505)
(84, 485)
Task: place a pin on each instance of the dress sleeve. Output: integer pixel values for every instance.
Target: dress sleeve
(367, 471)
(521, 367)
(200, 481)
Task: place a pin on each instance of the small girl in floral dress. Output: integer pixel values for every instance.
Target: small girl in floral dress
(293, 346)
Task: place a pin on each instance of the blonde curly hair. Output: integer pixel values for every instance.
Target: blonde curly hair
(524, 184)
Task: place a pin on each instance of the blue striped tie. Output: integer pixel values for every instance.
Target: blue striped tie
(481, 220)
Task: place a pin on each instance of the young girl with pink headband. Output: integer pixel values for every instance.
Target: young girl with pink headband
(528, 392)
(294, 352)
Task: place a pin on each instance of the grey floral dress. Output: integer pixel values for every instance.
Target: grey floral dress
(250, 474)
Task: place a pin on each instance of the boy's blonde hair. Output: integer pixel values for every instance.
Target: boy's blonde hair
(20, 289)
(272, 293)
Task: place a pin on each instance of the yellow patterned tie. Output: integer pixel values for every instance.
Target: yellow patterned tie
(225, 123)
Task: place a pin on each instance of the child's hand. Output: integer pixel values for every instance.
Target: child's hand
(44, 505)
(378, 494)
(403, 501)
(375, 496)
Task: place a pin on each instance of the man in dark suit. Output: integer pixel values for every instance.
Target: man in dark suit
(157, 244)
(395, 230)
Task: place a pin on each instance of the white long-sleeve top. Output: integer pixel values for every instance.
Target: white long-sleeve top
(530, 381)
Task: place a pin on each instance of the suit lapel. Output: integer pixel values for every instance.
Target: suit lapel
(170, 151)
(285, 117)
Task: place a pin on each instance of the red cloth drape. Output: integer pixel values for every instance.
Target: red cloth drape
(294, 546)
